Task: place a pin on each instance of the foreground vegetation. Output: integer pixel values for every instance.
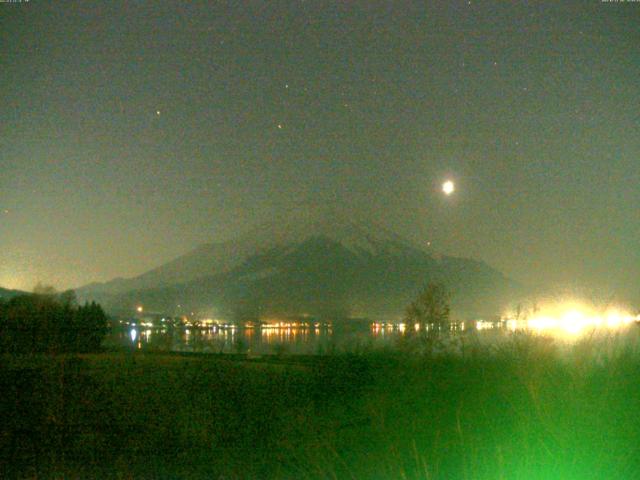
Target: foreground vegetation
(522, 411)
(48, 322)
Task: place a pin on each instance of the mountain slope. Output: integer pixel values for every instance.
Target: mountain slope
(333, 268)
(216, 258)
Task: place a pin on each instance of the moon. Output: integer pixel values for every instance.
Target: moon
(448, 187)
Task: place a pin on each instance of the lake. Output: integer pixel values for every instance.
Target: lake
(256, 340)
(327, 338)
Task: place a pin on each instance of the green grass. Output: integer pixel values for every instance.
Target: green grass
(520, 411)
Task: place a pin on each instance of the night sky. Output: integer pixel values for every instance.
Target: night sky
(131, 132)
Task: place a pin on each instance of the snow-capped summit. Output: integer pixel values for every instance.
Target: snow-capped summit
(356, 235)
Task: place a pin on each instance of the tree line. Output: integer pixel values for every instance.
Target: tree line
(46, 322)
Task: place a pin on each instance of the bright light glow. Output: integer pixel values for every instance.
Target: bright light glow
(139, 309)
(571, 318)
(448, 187)
(133, 334)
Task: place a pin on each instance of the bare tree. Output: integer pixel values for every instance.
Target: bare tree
(430, 308)
(42, 289)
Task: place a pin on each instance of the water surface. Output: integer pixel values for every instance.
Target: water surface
(310, 340)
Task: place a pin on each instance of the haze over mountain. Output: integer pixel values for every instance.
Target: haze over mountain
(322, 265)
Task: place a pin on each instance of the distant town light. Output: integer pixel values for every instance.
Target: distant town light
(448, 187)
(139, 309)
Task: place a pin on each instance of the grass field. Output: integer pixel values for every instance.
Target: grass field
(521, 411)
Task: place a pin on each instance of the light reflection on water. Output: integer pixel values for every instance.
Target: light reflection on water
(312, 339)
(295, 340)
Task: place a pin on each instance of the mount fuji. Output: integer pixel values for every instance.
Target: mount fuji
(324, 266)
